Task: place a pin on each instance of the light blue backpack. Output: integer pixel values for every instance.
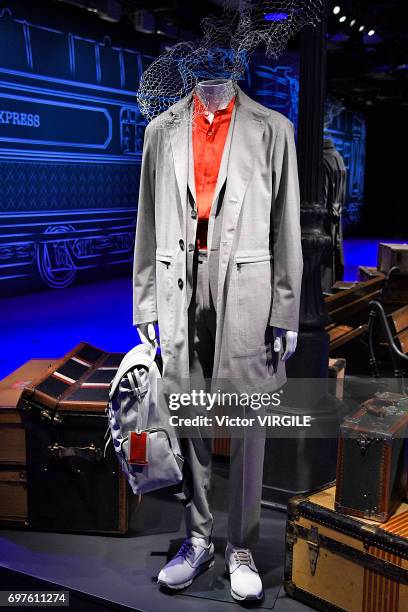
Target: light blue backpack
(145, 443)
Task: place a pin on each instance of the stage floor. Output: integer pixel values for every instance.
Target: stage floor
(122, 570)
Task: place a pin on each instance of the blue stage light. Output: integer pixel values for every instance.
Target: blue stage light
(276, 16)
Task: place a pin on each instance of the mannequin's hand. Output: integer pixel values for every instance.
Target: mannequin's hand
(147, 332)
(291, 342)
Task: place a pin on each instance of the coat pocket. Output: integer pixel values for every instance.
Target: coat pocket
(165, 297)
(254, 281)
(164, 256)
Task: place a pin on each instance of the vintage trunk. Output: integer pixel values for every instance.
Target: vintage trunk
(342, 563)
(396, 292)
(372, 458)
(390, 255)
(71, 485)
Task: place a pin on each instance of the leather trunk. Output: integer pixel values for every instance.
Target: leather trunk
(71, 485)
(390, 255)
(396, 292)
(372, 458)
(343, 563)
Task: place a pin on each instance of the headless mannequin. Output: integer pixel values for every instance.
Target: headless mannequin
(216, 95)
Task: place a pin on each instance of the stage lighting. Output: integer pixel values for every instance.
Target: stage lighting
(352, 22)
(275, 16)
(371, 32)
(361, 28)
(342, 19)
(336, 10)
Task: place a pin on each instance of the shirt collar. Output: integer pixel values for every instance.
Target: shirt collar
(201, 112)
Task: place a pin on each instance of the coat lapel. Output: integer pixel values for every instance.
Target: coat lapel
(248, 129)
(223, 170)
(191, 175)
(178, 126)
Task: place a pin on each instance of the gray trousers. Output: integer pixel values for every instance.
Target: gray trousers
(247, 451)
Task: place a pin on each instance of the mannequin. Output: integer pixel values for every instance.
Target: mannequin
(215, 94)
(224, 290)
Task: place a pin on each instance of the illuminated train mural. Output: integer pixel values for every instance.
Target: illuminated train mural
(70, 148)
(71, 139)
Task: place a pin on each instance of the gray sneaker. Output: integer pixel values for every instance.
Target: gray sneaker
(193, 557)
(246, 584)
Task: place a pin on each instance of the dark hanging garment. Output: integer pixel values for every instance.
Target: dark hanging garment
(334, 196)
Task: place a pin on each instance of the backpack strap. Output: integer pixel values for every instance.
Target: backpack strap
(135, 380)
(139, 356)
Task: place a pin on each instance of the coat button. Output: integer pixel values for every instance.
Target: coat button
(191, 247)
(180, 283)
(181, 243)
(194, 214)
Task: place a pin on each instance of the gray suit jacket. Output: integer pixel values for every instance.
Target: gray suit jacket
(257, 249)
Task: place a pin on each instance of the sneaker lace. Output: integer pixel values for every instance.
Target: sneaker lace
(186, 549)
(242, 557)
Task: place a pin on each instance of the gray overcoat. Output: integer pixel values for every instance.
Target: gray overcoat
(257, 250)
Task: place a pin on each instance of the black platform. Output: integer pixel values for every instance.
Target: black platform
(113, 572)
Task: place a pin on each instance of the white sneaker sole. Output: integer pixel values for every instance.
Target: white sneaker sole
(239, 597)
(199, 570)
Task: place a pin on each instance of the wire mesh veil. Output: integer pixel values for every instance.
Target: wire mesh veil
(224, 49)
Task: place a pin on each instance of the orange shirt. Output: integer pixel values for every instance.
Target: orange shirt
(208, 146)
